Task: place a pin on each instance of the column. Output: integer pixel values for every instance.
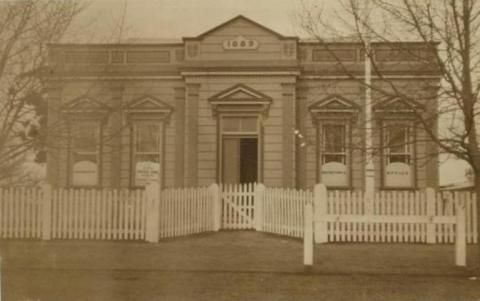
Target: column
(288, 151)
(191, 134)
(179, 136)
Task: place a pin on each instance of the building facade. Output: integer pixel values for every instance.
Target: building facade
(238, 103)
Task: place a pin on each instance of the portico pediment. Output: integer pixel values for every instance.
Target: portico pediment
(147, 105)
(398, 105)
(85, 104)
(240, 98)
(332, 104)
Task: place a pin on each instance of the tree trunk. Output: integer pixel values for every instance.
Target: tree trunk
(477, 191)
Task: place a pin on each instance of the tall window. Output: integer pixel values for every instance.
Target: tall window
(398, 144)
(334, 140)
(146, 146)
(85, 152)
(333, 155)
(398, 155)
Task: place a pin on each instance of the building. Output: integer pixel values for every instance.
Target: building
(238, 103)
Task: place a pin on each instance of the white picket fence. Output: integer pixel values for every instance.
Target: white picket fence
(187, 211)
(405, 214)
(390, 216)
(283, 211)
(21, 212)
(98, 214)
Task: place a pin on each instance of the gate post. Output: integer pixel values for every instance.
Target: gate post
(320, 210)
(216, 212)
(430, 196)
(460, 235)
(308, 236)
(46, 211)
(258, 206)
(153, 215)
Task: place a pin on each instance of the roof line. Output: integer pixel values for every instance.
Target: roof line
(201, 36)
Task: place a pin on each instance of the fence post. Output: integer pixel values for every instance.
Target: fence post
(320, 210)
(258, 203)
(217, 213)
(460, 235)
(46, 211)
(430, 196)
(153, 215)
(308, 236)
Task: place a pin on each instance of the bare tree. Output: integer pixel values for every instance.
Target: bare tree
(26, 29)
(448, 31)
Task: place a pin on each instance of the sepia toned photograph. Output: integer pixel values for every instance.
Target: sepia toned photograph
(239, 150)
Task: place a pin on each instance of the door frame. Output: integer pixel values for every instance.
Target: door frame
(258, 134)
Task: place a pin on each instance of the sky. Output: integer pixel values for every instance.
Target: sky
(173, 19)
(179, 18)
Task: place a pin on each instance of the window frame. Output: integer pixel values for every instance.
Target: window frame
(240, 134)
(72, 153)
(133, 121)
(410, 144)
(320, 146)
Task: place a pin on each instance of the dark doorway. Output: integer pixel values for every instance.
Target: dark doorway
(248, 160)
(240, 160)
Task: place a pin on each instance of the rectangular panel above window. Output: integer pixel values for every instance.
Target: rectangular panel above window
(243, 124)
(86, 57)
(404, 54)
(145, 57)
(332, 55)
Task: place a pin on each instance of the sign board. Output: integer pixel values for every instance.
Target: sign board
(146, 172)
(240, 43)
(85, 173)
(398, 174)
(334, 174)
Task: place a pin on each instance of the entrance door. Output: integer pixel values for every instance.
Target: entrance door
(240, 160)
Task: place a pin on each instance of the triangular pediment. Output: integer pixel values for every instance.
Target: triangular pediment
(240, 99)
(397, 104)
(240, 93)
(85, 103)
(334, 103)
(241, 21)
(148, 103)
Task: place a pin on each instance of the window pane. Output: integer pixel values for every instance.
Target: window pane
(334, 138)
(85, 136)
(334, 158)
(399, 158)
(147, 137)
(397, 139)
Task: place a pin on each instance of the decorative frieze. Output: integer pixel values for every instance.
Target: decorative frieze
(86, 57)
(150, 56)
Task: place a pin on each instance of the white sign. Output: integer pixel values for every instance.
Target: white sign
(146, 172)
(240, 43)
(334, 174)
(85, 173)
(398, 174)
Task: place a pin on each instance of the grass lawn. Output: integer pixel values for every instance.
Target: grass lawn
(231, 266)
